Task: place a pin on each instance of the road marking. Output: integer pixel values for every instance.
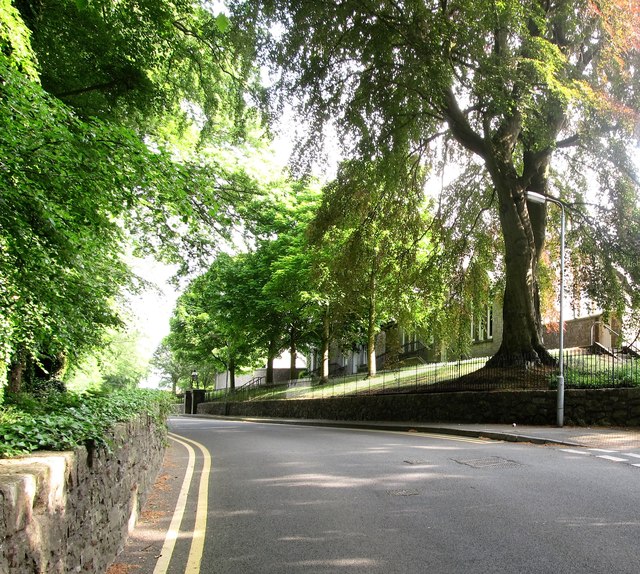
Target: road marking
(200, 527)
(417, 433)
(613, 458)
(592, 451)
(199, 530)
(172, 534)
(455, 438)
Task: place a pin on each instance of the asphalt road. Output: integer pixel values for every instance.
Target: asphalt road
(298, 499)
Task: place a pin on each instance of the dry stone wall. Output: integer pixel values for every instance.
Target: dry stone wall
(618, 407)
(71, 511)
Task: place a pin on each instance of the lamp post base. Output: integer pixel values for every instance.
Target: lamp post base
(560, 408)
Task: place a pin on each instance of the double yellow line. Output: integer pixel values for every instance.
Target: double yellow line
(200, 527)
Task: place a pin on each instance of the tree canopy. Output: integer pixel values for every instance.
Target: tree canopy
(126, 127)
(375, 248)
(98, 150)
(212, 324)
(534, 93)
(141, 62)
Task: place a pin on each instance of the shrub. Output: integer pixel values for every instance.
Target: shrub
(585, 376)
(62, 421)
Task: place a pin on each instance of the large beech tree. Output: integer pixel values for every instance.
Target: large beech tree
(528, 89)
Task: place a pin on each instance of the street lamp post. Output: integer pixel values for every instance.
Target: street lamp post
(534, 197)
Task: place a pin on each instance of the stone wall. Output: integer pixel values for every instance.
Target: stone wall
(66, 512)
(620, 407)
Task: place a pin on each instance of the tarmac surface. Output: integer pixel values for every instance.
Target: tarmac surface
(588, 437)
(145, 542)
(613, 438)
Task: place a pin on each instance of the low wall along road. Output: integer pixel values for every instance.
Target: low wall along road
(617, 407)
(72, 511)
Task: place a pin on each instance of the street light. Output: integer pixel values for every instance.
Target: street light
(534, 197)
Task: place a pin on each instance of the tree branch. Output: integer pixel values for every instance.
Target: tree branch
(460, 127)
(569, 142)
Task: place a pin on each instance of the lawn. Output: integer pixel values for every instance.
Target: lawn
(580, 370)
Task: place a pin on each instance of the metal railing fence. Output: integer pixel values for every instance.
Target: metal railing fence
(583, 369)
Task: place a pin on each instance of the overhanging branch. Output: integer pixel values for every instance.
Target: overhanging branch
(460, 127)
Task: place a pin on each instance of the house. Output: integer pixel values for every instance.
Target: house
(281, 372)
(397, 346)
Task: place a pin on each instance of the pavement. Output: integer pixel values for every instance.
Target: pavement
(613, 438)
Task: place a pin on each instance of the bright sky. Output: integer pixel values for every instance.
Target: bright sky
(153, 308)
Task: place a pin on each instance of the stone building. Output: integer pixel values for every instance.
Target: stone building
(396, 346)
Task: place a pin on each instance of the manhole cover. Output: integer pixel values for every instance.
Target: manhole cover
(489, 462)
(403, 492)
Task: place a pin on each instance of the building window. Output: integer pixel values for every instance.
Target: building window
(482, 325)
(409, 342)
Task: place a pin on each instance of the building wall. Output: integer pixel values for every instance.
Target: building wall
(578, 332)
(281, 372)
(490, 345)
(279, 376)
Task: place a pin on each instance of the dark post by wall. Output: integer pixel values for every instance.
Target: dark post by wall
(66, 512)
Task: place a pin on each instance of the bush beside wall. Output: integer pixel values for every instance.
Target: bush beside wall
(66, 512)
(618, 407)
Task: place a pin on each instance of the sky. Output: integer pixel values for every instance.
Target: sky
(153, 308)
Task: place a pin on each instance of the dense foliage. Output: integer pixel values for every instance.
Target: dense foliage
(336, 266)
(247, 308)
(126, 127)
(375, 252)
(61, 421)
(519, 95)
(101, 110)
(173, 372)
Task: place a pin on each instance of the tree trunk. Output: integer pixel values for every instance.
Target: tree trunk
(16, 372)
(324, 354)
(269, 376)
(271, 355)
(293, 372)
(17, 368)
(371, 326)
(523, 227)
(232, 373)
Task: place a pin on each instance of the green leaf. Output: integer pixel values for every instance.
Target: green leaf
(222, 23)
